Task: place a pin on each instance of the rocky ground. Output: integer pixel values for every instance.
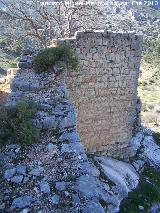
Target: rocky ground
(56, 175)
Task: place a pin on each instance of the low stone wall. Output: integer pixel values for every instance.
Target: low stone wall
(104, 89)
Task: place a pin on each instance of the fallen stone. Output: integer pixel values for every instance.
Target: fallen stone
(21, 202)
(136, 142)
(141, 208)
(75, 199)
(17, 179)
(26, 179)
(86, 167)
(155, 208)
(13, 146)
(51, 147)
(93, 207)
(71, 137)
(123, 175)
(44, 187)
(151, 153)
(87, 185)
(60, 186)
(9, 173)
(72, 147)
(34, 87)
(47, 122)
(148, 131)
(138, 165)
(17, 150)
(68, 121)
(37, 171)
(21, 169)
(55, 199)
(25, 211)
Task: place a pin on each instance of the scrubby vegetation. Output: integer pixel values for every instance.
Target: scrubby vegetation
(50, 56)
(9, 52)
(147, 193)
(151, 51)
(16, 125)
(149, 83)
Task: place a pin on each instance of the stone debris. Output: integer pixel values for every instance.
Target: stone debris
(51, 147)
(151, 152)
(45, 188)
(138, 165)
(87, 185)
(17, 179)
(61, 186)
(55, 199)
(94, 207)
(9, 173)
(37, 171)
(21, 202)
(20, 169)
(70, 137)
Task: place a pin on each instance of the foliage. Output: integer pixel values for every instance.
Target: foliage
(17, 48)
(13, 63)
(142, 83)
(156, 136)
(147, 193)
(15, 124)
(151, 51)
(50, 56)
(3, 41)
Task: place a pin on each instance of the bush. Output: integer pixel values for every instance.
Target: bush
(156, 136)
(16, 125)
(13, 63)
(50, 56)
(17, 48)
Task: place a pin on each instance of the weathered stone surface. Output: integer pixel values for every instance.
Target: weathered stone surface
(122, 174)
(68, 121)
(37, 171)
(45, 188)
(75, 199)
(71, 137)
(51, 147)
(9, 173)
(136, 141)
(74, 147)
(21, 169)
(94, 207)
(17, 179)
(151, 153)
(87, 185)
(138, 165)
(55, 199)
(21, 202)
(61, 186)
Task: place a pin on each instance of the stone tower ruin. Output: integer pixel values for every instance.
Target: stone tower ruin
(104, 89)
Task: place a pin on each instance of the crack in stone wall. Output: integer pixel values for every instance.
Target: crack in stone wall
(104, 89)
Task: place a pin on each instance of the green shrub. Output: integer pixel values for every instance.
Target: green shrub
(51, 56)
(156, 136)
(13, 63)
(147, 193)
(142, 83)
(17, 48)
(16, 125)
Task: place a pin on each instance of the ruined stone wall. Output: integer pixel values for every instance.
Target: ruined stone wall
(104, 89)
